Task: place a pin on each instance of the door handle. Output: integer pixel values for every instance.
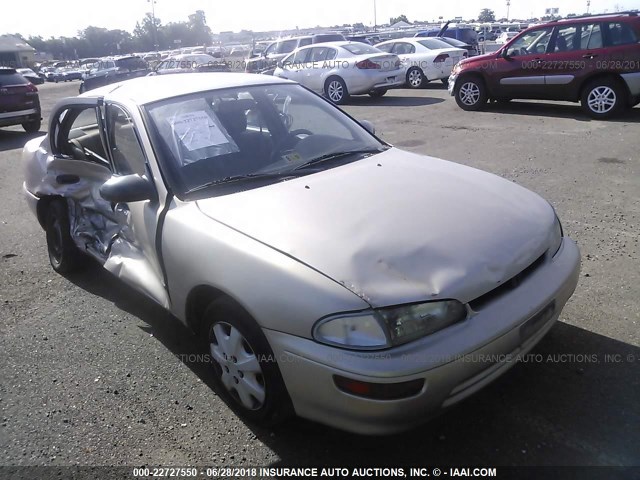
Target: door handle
(67, 179)
(589, 56)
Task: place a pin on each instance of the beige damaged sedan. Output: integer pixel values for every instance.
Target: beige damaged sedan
(331, 275)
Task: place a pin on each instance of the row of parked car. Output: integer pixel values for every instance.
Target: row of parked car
(594, 60)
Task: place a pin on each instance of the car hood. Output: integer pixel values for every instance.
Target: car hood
(397, 227)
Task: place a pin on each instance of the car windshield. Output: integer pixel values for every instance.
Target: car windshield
(211, 138)
(433, 43)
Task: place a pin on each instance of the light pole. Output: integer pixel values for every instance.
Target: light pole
(588, 5)
(508, 5)
(375, 17)
(153, 20)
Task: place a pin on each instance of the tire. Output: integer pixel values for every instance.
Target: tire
(246, 372)
(32, 127)
(415, 78)
(471, 94)
(378, 93)
(445, 81)
(336, 90)
(63, 253)
(603, 98)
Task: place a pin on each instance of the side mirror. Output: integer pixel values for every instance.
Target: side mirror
(368, 126)
(504, 53)
(128, 188)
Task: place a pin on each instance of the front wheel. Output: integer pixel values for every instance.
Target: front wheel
(471, 94)
(336, 90)
(378, 93)
(603, 98)
(245, 367)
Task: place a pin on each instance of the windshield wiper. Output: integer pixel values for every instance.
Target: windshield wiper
(240, 178)
(335, 155)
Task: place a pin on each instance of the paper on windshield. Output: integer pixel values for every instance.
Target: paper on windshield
(197, 130)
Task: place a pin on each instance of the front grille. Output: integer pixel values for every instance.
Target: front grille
(480, 302)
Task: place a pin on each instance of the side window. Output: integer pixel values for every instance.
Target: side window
(318, 54)
(304, 42)
(301, 56)
(403, 48)
(78, 136)
(332, 54)
(385, 48)
(531, 42)
(567, 39)
(128, 157)
(591, 36)
(620, 34)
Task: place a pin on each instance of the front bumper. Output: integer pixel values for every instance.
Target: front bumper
(452, 84)
(454, 362)
(19, 117)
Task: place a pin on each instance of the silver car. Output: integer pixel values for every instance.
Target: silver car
(330, 274)
(341, 69)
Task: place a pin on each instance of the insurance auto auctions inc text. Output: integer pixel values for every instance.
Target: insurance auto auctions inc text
(376, 472)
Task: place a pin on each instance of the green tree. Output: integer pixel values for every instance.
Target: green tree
(400, 18)
(487, 15)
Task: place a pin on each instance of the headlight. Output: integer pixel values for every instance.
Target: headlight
(556, 239)
(389, 327)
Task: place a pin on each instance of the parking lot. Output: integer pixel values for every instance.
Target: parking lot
(93, 374)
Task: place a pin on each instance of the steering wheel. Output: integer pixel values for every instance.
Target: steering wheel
(287, 140)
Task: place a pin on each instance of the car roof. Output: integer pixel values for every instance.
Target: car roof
(147, 89)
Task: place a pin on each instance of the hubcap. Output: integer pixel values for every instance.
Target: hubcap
(240, 370)
(601, 99)
(335, 91)
(415, 78)
(469, 93)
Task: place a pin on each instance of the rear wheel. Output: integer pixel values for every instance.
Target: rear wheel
(378, 93)
(603, 98)
(336, 90)
(63, 253)
(32, 127)
(415, 78)
(471, 94)
(246, 371)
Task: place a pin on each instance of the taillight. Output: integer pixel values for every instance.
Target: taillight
(441, 58)
(367, 65)
(32, 89)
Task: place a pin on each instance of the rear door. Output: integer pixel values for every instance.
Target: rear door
(575, 53)
(92, 144)
(319, 62)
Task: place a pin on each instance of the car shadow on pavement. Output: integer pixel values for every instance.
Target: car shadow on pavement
(393, 101)
(553, 110)
(13, 139)
(170, 331)
(571, 401)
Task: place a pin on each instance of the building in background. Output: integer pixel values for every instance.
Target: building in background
(15, 52)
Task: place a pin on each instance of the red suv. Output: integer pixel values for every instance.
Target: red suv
(593, 59)
(19, 101)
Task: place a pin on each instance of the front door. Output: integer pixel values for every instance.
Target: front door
(519, 72)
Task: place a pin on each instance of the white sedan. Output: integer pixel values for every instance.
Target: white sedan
(341, 69)
(424, 59)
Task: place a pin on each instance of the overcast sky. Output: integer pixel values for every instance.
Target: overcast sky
(65, 17)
